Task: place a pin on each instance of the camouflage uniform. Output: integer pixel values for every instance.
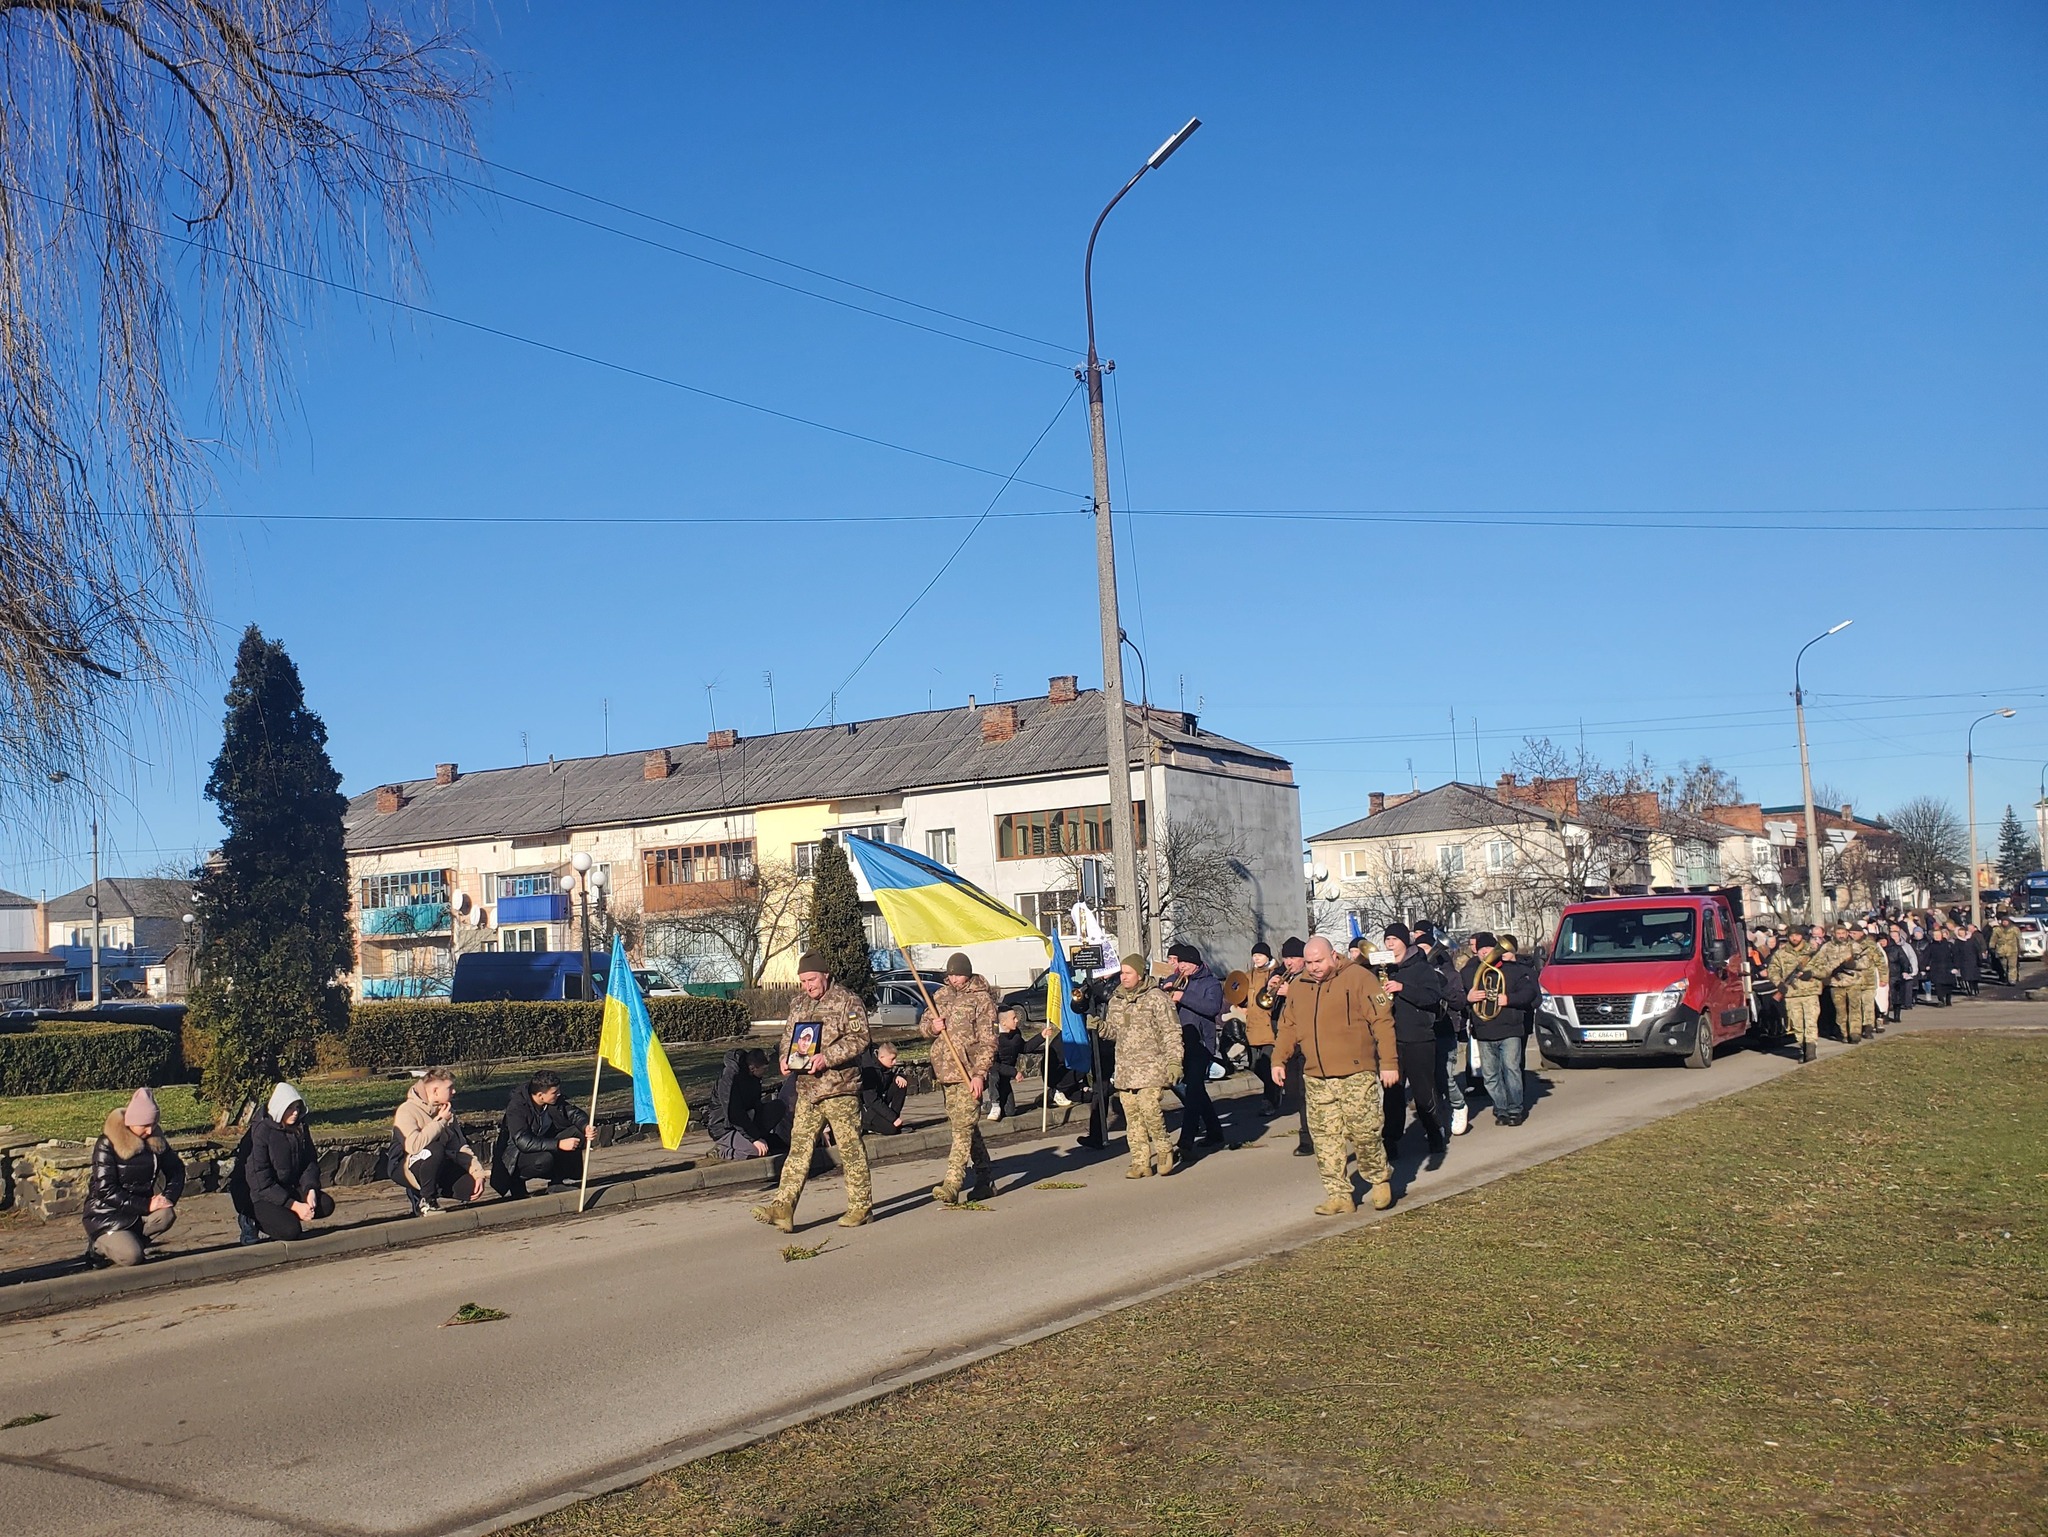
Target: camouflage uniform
(2005, 944)
(1846, 985)
(1344, 1025)
(1802, 997)
(1877, 970)
(832, 1096)
(969, 1013)
(1348, 1115)
(1146, 1028)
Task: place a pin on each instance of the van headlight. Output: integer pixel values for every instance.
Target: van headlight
(1551, 1004)
(1662, 1003)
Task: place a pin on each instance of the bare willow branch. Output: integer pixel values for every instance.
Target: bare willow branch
(292, 141)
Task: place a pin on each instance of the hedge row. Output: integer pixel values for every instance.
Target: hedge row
(59, 1058)
(408, 1034)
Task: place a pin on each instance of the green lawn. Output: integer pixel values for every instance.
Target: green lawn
(344, 1109)
(1817, 1306)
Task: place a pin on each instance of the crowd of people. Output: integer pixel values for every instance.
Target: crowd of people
(1357, 1046)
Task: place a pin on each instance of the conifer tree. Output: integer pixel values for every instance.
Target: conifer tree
(2018, 855)
(836, 931)
(275, 936)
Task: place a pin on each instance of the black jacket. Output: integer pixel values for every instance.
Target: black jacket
(126, 1170)
(1200, 1006)
(273, 1163)
(1415, 1006)
(1968, 961)
(735, 1100)
(1012, 1044)
(1450, 1012)
(1518, 1003)
(531, 1128)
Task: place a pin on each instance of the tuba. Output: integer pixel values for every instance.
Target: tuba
(1493, 984)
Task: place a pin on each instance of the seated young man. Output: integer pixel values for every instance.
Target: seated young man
(275, 1183)
(740, 1119)
(431, 1159)
(541, 1138)
(882, 1089)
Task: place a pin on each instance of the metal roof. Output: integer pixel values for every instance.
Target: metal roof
(127, 896)
(15, 899)
(849, 761)
(1448, 808)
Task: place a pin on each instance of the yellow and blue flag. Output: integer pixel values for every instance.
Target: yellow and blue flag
(1059, 1008)
(924, 903)
(628, 1043)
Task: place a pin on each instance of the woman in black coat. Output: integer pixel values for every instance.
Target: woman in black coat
(275, 1184)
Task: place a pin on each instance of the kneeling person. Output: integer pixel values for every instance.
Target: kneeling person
(821, 1047)
(275, 1185)
(132, 1196)
(962, 1028)
(541, 1138)
(430, 1157)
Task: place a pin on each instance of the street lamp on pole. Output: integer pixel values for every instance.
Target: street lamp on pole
(1970, 767)
(57, 777)
(1125, 835)
(1153, 938)
(1806, 776)
(580, 883)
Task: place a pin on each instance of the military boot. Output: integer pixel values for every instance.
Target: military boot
(1138, 1171)
(946, 1194)
(1165, 1164)
(1337, 1206)
(1808, 1052)
(857, 1218)
(984, 1186)
(777, 1214)
(1382, 1194)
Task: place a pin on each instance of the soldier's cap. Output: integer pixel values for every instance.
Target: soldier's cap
(811, 960)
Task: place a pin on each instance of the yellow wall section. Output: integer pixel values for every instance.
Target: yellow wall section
(777, 831)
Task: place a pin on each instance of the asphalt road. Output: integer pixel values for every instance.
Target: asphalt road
(328, 1398)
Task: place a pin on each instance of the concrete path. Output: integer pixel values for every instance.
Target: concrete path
(331, 1399)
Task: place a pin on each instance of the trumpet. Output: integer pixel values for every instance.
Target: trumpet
(1266, 998)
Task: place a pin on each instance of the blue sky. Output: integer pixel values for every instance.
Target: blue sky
(1678, 303)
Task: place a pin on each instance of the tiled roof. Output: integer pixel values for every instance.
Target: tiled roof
(924, 750)
(15, 899)
(1447, 808)
(127, 896)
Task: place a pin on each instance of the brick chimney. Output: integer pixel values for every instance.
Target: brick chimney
(719, 741)
(389, 799)
(1064, 689)
(655, 765)
(1375, 803)
(444, 774)
(1848, 813)
(998, 722)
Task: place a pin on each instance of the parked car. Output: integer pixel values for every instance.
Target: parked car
(898, 1005)
(1645, 976)
(2033, 938)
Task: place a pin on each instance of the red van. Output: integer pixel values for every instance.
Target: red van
(1660, 975)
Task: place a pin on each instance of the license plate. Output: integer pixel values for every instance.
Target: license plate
(1606, 1035)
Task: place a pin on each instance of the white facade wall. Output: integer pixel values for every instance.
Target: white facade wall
(19, 933)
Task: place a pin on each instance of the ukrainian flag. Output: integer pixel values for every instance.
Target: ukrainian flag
(924, 903)
(628, 1043)
(1059, 1008)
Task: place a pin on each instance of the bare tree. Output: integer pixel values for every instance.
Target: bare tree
(1933, 845)
(744, 929)
(175, 175)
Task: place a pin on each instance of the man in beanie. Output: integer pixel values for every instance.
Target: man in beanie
(1291, 963)
(962, 1029)
(1199, 997)
(1417, 988)
(132, 1198)
(821, 1047)
(1258, 1026)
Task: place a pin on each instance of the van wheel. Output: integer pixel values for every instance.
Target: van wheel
(1702, 1053)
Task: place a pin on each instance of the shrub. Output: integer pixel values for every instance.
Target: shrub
(58, 1058)
(401, 1034)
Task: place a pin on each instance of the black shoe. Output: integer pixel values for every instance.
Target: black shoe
(1095, 1142)
(1305, 1150)
(1437, 1151)
(983, 1190)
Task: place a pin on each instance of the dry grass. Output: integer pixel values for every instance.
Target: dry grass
(1813, 1307)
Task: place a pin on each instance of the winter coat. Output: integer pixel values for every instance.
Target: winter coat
(735, 1100)
(1343, 1024)
(1415, 1005)
(415, 1126)
(1968, 961)
(127, 1171)
(274, 1163)
(1200, 1006)
(531, 1128)
(969, 1013)
(1258, 1022)
(1518, 1002)
(1146, 1028)
(1012, 1045)
(839, 1024)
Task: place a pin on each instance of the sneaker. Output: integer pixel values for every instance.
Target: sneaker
(248, 1232)
(1461, 1120)
(995, 1112)
(429, 1208)
(776, 1215)
(1059, 1097)
(1437, 1150)
(1305, 1150)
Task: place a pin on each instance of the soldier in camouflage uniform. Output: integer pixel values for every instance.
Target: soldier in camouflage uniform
(1795, 969)
(1341, 1021)
(1876, 970)
(962, 1027)
(1846, 981)
(2005, 944)
(834, 1024)
(1146, 1028)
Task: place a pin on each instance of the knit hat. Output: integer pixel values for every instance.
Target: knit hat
(1290, 950)
(1262, 948)
(282, 1098)
(1424, 929)
(1186, 953)
(958, 965)
(1397, 931)
(811, 960)
(1485, 941)
(141, 1111)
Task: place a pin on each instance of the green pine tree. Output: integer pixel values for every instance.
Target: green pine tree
(835, 928)
(274, 905)
(2018, 854)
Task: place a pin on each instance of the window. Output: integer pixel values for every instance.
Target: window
(1626, 934)
(1500, 856)
(803, 857)
(411, 889)
(523, 939)
(1051, 834)
(1450, 858)
(874, 832)
(1400, 857)
(941, 845)
(541, 885)
(1050, 910)
(691, 863)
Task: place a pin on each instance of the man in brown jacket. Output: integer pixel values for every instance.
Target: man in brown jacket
(962, 1028)
(827, 1032)
(1338, 1017)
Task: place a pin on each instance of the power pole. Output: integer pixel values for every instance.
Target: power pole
(1813, 913)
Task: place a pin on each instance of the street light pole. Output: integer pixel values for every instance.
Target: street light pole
(1123, 823)
(1155, 813)
(1970, 769)
(580, 884)
(1806, 777)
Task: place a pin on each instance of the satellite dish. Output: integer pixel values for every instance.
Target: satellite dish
(481, 918)
(1322, 872)
(460, 902)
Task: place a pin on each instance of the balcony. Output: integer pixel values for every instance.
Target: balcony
(692, 896)
(403, 922)
(548, 907)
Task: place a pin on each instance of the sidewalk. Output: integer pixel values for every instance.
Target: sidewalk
(42, 1264)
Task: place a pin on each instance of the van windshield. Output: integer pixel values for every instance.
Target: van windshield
(1626, 934)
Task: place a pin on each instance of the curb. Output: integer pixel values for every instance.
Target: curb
(706, 1176)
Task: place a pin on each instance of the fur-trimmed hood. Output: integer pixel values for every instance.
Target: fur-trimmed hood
(126, 1143)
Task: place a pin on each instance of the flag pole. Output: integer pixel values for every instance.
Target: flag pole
(932, 1008)
(590, 1130)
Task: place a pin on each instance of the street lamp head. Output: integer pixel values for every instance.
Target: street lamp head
(1161, 155)
(569, 883)
(597, 880)
(2008, 714)
(188, 920)
(1841, 627)
(580, 861)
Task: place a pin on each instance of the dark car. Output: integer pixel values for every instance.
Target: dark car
(1030, 1000)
